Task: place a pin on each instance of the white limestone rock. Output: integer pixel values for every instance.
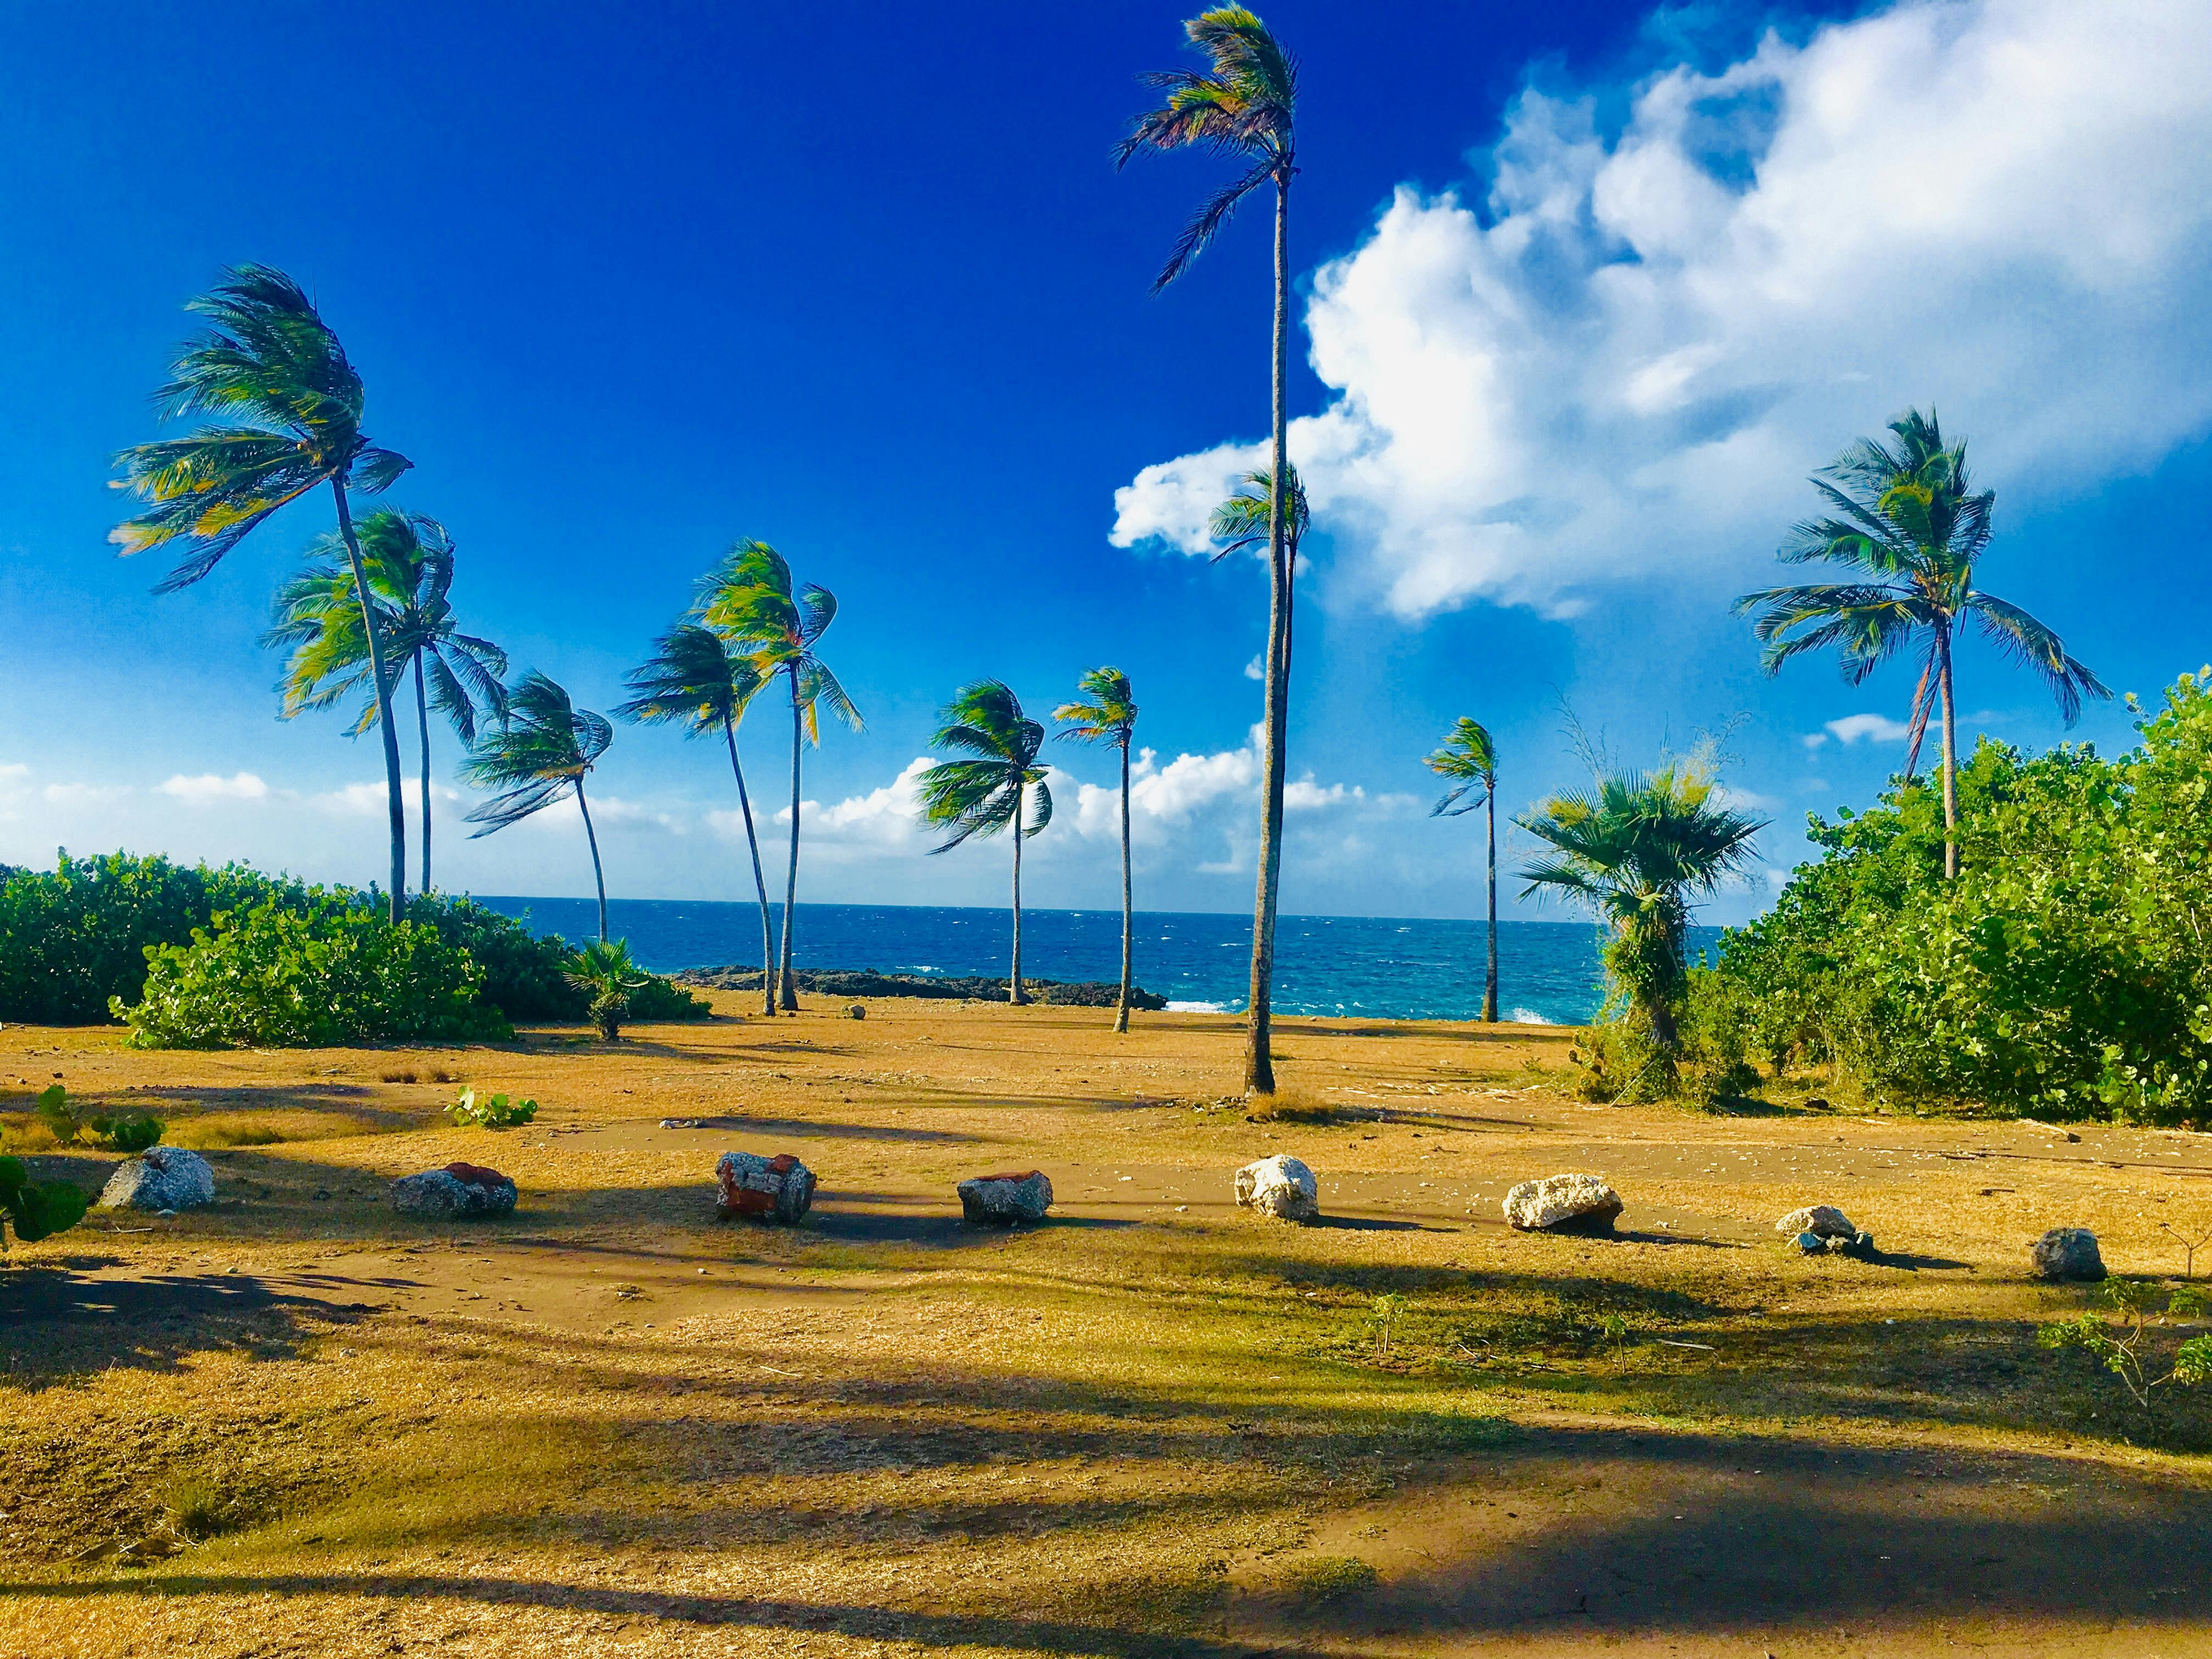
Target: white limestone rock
(1563, 1204)
(161, 1178)
(1280, 1186)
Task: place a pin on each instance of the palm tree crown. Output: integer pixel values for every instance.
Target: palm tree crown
(1469, 755)
(544, 748)
(693, 678)
(1108, 713)
(1243, 107)
(749, 600)
(1241, 522)
(982, 794)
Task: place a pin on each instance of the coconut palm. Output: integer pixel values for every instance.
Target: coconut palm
(1108, 714)
(1913, 528)
(1243, 106)
(1000, 784)
(287, 409)
(410, 561)
(693, 676)
(538, 753)
(1636, 849)
(748, 600)
(1469, 757)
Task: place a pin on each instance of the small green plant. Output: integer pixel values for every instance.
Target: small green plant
(199, 1508)
(472, 1110)
(1388, 1309)
(36, 1209)
(1614, 1327)
(121, 1132)
(2124, 1347)
(609, 974)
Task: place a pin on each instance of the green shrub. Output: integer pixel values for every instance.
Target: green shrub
(525, 974)
(659, 999)
(36, 1209)
(274, 977)
(121, 1132)
(473, 1110)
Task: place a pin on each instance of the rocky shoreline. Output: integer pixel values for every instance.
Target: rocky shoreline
(864, 982)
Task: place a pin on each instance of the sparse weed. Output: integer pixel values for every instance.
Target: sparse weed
(2124, 1347)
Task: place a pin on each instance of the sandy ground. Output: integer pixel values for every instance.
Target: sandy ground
(296, 1423)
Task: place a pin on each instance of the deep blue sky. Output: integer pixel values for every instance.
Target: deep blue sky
(628, 283)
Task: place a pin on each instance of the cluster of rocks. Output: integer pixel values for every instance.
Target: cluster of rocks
(849, 982)
(1818, 1229)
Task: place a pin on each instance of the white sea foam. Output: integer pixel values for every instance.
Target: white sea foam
(1198, 1008)
(1526, 1016)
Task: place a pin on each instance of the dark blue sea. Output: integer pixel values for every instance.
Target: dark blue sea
(1364, 967)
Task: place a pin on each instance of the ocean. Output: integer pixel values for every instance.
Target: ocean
(1361, 967)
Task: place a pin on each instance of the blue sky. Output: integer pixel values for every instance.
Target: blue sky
(1585, 292)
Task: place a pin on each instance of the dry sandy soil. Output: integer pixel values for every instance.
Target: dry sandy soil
(298, 1424)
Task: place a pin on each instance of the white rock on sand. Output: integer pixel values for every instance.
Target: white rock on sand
(1822, 1220)
(162, 1178)
(1281, 1186)
(1563, 1203)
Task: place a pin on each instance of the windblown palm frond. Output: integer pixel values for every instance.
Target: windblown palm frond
(1242, 523)
(692, 677)
(1468, 754)
(982, 795)
(1108, 715)
(545, 747)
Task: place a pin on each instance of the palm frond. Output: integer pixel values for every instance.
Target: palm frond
(1203, 226)
(1109, 716)
(2029, 642)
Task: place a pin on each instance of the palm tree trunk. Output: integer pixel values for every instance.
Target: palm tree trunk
(1128, 907)
(1490, 981)
(1014, 994)
(394, 789)
(599, 876)
(1950, 755)
(759, 882)
(789, 993)
(1259, 1053)
(422, 726)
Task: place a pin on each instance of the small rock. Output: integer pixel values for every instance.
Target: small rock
(458, 1192)
(1563, 1204)
(779, 1188)
(162, 1178)
(856, 1011)
(679, 1123)
(2066, 1253)
(1812, 1243)
(1281, 1186)
(1003, 1199)
(1825, 1219)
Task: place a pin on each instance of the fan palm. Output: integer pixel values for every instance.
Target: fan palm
(749, 600)
(410, 561)
(538, 753)
(1242, 106)
(1636, 849)
(999, 784)
(287, 409)
(1912, 526)
(1108, 714)
(693, 676)
(1470, 759)
(607, 974)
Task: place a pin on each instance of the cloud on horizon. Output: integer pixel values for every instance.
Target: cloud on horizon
(1623, 364)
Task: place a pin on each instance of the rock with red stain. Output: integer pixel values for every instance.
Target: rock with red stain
(458, 1192)
(1003, 1200)
(779, 1188)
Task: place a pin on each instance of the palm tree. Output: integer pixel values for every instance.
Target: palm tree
(1000, 785)
(1243, 107)
(1637, 850)
(410, 561)
(608, 974)
(694, 677)
(541, 750)
(748, 600)
(1469, 757)
(1109, 715)
(1912, 526)
(287, 407)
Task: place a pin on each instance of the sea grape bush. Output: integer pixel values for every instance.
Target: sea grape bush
(473, 1110)
(2067, 971)
(121, 1132)
(36, 1209)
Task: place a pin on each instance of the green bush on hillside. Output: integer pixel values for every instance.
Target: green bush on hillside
(273, 977)
(2067, 971)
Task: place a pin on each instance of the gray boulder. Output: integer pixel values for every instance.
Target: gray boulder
(161, 1178)
(778, 1189)
(2066, 1253)
(458, 1192)
(1280, 1186)
(1563, 1204)
(1003, 1199)
(1823, 1220)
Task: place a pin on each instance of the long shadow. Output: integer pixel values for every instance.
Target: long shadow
(801, 1125)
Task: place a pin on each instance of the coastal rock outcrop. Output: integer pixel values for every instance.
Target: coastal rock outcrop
(2066, 1253)
(1563, 1204)
(160, 1178)
(1000, 1200)
(457, 1193)
(778, 1189)
(1280, 1186)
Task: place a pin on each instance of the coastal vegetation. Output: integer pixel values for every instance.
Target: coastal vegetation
(1106, 711)
(539, 752)
(1469, 755)
(995, 784)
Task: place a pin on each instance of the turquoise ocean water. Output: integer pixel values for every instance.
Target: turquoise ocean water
(1361, 967)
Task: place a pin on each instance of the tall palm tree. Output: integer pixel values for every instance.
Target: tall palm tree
(1108, 714)
(410, 560)
(748, 600)
(1912, 526)
(287, 407)
(1243, 106)
(999, 785)
(1636, 849)
(693, 676)
(540, 751)
(1470, 758)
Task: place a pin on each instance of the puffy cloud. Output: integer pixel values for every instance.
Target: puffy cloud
(1623, 364)
(209, 786)
(1856, 728)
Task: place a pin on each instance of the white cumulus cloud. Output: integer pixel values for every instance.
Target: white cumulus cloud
(1868, 728)
(210, 787)
(1620, 355)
